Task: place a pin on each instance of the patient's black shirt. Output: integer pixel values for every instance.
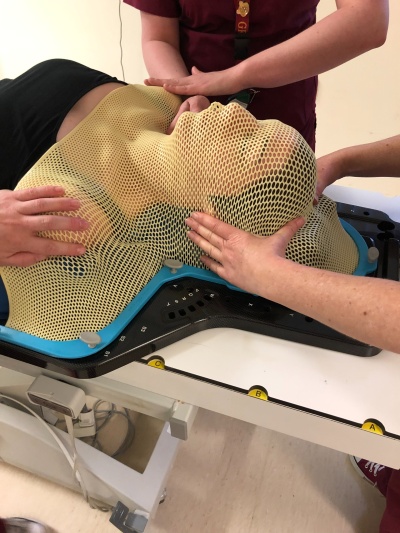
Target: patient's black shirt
(32, 108)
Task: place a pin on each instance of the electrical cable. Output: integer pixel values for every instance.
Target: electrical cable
(120, 39)
(105, 416)
(67, 454)
(70, 428)
(72, 460)
(93, 504)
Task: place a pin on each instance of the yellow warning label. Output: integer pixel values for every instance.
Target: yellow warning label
(373, 426)
(258, 392)
(157, 362)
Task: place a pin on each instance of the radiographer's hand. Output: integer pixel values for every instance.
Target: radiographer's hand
(194, 104)
(248, 261)
(205, 83)
(23, 213)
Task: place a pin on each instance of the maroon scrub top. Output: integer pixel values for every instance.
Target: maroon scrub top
(207, 29)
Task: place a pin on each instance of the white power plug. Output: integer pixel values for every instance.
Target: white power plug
(86, 425)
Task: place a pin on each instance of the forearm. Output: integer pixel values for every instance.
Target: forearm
(381, 158)
(353, 29)
(160, 46)
(363, 308)
(163, 60)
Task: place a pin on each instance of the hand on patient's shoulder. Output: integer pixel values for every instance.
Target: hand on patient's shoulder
(23, 213)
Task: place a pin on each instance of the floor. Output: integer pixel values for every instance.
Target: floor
(229, 477)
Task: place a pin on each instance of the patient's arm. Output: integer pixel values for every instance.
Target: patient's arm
(364, 308)
(23, 215)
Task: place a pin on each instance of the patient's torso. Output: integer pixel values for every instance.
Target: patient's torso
(137, 185)
(48, 99)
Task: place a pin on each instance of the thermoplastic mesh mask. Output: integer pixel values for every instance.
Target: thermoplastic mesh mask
(137, 185)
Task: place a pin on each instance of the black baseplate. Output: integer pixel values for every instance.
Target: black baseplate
(181, 308)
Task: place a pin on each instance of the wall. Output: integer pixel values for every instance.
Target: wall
(357, 102)
(87, 31)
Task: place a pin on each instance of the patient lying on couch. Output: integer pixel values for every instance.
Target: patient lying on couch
(102, 192)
